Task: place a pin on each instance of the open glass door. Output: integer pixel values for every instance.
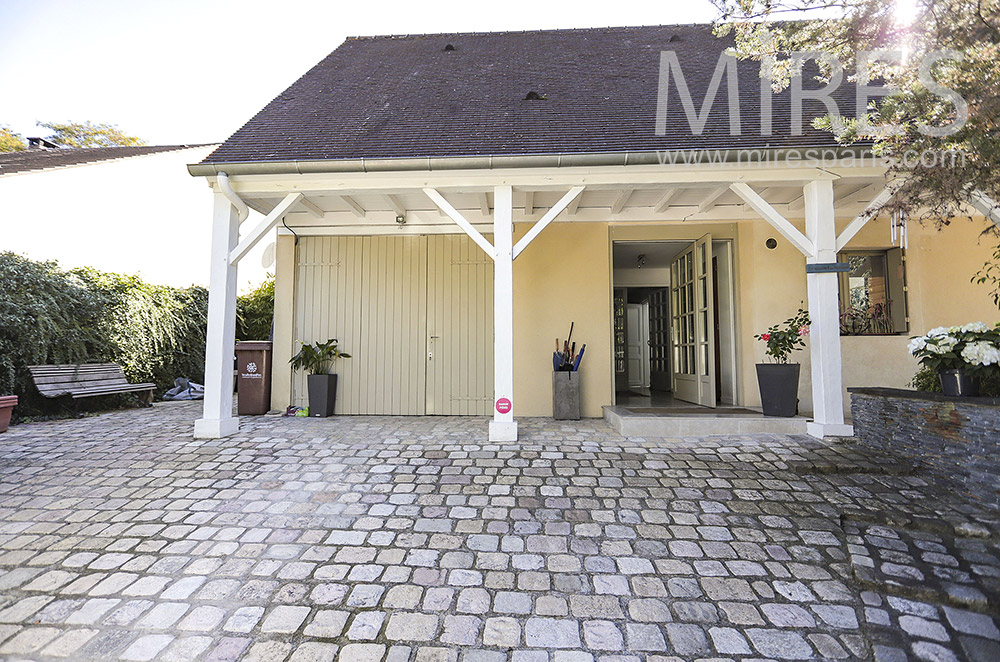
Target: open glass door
(692, 323)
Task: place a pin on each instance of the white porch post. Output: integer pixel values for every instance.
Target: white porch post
(503, 427)
(217, 419)
(827, 380)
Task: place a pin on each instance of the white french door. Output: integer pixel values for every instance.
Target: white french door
(692, 319)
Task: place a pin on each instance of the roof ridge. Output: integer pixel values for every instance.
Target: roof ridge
(483, 33)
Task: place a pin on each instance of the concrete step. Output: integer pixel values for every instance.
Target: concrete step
(713, 421)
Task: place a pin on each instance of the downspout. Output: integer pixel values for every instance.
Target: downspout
(241, 207)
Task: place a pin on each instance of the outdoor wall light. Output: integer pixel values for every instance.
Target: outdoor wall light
(401, 219)
(771, 243)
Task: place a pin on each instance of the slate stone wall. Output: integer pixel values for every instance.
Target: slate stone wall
(956, 441)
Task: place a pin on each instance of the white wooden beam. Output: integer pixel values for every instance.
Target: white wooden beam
(264, 227)
(862, 219)
(503, 427)
(664, 202)
(797, 204)
(549, 216)
(769, 214)
(710, 199)
(986, 206)
(395, 205)
(217, 418)
(484, 204)
(311, 207)
(358, 210)
(621, 200)
(861, 194)
(574, 205)
(529, 203)
(452, 213)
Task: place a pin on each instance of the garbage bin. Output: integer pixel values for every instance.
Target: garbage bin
(566, 395)
(253, 377)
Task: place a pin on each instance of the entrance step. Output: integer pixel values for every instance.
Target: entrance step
(662, 422)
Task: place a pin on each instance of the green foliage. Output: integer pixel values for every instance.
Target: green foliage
(782, 339)
(10, 141)
(88, 134)
(926, 379)
(255, 312)
(50, 316)
(318, 357)
(973, 347)
(990, 275)
(933, 189)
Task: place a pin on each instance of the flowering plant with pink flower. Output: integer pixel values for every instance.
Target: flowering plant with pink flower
(786, 337)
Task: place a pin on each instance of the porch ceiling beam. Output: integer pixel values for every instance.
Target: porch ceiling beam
(484, 204)
(358, 210)
(854, 227)
(538, 179)
(710, 199)
(456, 216)
(547, 218)
(529, 203)
(395, 205)
(986, 205)
(664, 202)
(769, 214)
(311, 207)
(797, 204)
(621, 200)
(574, 205)
(860, 194)
(265, 226)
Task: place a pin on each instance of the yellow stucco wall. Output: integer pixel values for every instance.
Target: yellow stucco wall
(563, 276)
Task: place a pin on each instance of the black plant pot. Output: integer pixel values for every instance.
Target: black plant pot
(779, 388)
(957, 382)
(322, 394)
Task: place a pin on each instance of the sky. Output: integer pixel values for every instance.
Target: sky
(193, 71)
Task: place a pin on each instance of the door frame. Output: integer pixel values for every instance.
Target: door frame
(724, 241)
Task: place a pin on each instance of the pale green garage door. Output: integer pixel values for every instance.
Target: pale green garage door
(416, 313)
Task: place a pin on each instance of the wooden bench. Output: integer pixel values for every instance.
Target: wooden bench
(86, 380)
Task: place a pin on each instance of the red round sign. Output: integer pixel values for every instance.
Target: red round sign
(503, 405)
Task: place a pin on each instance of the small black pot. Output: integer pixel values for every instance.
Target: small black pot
(779, 388)
(957, 382)
(322, 394)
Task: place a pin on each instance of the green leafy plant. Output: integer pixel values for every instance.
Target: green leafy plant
(782, 339)
(990, 275)
(255, 312)
(318, 357)
(927, 380)
(973, 347)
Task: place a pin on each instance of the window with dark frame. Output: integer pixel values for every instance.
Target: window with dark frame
(873, 293)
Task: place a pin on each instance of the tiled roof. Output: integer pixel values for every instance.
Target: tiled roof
(411, 96)
(45, 159)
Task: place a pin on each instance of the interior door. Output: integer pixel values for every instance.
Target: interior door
(644, 343)
(633, 313)
(693, 324)
(659, 340)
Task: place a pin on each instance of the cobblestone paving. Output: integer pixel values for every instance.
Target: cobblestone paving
(364, 539)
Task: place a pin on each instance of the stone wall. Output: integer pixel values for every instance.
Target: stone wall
(954, 440)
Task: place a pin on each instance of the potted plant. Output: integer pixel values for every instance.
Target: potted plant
(960, 355)
(7, 404)
(779, 380)
(318, 358)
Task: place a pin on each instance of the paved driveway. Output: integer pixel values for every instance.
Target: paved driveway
(412, 539)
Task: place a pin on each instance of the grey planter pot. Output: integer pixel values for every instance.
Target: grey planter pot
(779, 388)
(958, 383)
(322, 395)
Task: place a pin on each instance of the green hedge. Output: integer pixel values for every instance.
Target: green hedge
(49, 316)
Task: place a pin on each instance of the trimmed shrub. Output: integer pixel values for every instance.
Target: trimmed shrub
(255, 312)
(50, 316)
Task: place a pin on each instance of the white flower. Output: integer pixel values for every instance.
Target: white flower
(981, 353)
(937, 331)
(916, 345)
(975, 327)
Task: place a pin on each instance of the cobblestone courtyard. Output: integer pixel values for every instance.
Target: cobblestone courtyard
(363, 539)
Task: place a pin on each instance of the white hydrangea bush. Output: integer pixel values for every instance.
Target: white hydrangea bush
(974, 347)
